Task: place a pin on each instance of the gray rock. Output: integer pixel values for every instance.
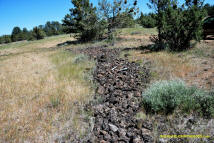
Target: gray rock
(113, 127)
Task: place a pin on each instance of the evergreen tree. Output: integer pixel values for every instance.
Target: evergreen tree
(177, 26)
(16, 30)
(53, 28)
(125, 20)
(38, 33)
(147, 20)
(68, 24)
(31, 36)
(83, 20)
(56, 28)
(116, 13)
(47, 28)
(25, 33)
(16, 34)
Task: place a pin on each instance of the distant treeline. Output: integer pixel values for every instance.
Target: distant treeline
(38, 32)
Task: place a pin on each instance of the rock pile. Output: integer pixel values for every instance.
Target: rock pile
(96, 52)
(120, 84)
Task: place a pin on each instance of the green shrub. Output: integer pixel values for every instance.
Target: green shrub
(166, 96)
(205, 102)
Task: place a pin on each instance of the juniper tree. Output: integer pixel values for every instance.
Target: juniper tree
(178, 25)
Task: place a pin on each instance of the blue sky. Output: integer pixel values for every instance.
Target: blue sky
(30, 13)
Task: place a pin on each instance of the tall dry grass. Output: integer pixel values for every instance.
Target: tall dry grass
(165, 65)
(38, 91)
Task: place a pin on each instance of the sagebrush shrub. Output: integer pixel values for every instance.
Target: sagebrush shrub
(166, 96)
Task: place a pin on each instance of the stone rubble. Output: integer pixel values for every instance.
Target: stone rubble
(120, 84)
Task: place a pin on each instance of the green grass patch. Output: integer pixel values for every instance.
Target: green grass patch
(139, 31)
(167, 96)
(71, 66)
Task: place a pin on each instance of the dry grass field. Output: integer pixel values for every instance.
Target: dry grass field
(38, 86)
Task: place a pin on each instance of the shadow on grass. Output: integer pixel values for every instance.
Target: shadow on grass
(67, 43)
(145, 48)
